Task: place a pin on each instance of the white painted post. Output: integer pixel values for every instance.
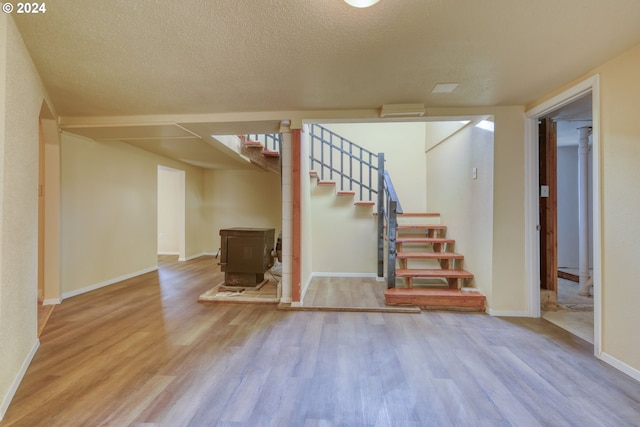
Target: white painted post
(583, 210)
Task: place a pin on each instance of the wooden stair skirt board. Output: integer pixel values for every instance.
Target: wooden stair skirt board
(442, 299)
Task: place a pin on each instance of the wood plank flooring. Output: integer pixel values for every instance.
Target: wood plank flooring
(356, 294)
(144, 353)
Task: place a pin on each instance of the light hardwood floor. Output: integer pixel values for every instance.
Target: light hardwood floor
(144, 352)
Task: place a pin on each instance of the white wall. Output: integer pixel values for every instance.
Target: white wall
(568, 237)
(465, 204)
(169, 219)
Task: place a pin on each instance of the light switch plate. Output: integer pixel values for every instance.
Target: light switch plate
(544, 191)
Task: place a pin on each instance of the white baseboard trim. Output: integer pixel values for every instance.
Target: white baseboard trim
(168, 253)
(189, 258)
(106, 283)
(4, 405)
(52, 301)
(508, 313)
(323, 274)
(621, 366)
(305, 288)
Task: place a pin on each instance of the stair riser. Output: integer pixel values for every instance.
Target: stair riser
(424, 264)
(437, 302)
(435, 299)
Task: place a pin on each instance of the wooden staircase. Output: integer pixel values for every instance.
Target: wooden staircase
(431, 271)
(256, 152)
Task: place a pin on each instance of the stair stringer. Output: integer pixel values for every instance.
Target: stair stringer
(255, 152)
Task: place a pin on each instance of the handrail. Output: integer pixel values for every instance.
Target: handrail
(339, 157)
(388, 211)
(390, 191)
(271, 141)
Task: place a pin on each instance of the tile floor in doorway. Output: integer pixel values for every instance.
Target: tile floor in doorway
(575, 313)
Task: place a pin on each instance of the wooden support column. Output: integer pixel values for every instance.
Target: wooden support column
(296, 216)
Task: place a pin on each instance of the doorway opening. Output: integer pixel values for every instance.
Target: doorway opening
(565, 167)
(563, 211)
(171, 212)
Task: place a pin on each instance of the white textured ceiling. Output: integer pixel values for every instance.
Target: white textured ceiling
(166, 57)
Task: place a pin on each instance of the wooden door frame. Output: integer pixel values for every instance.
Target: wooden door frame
(532, 240)
(548, 176)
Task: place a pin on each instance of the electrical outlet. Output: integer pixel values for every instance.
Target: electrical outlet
(474, 173)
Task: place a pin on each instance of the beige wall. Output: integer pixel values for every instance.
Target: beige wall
(51, 193)
(403, 145)
(509, 293)
(343, 236)
(240, 198)
(21, 94)
(465, 204)
(620, 151)
(620, 175)
(109, 204)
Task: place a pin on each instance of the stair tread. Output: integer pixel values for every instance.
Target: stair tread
(326, 183)
(364, 203)
(424, 240)
(430, 255)
(252, 144)
(270, 153)
(433, 272)
(346, 193)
